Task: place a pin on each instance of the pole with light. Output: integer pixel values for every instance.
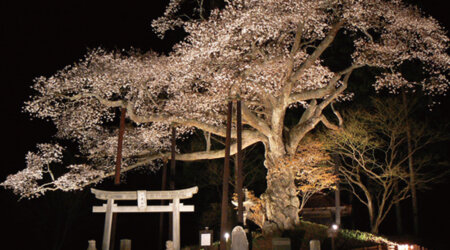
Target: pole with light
(332, 232)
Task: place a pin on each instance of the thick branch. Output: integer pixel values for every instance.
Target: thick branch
(153, 118)
(318, 52)
(299, 131)
(327, 123)
(294, 76)
(250, 137)
(103, 101)
(304, 126)
(322, 92)
(298, 38)
(337, 92)
(338, 115)
(310, 110)
(203, 155)
(216, 154)
(255, 121)
(311, 94)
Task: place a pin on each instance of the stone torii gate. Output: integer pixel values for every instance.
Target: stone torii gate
(142, 196)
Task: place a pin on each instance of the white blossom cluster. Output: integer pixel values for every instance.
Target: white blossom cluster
(77, 177)
(265, 52)
(25, 182)
(393, 82)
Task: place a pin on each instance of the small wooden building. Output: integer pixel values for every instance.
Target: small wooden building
(321, 209)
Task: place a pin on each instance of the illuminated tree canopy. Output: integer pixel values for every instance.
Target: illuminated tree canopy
(268, 53)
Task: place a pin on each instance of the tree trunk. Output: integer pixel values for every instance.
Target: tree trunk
(280, 200)
(373, 227)
(398, 212)
(412, 174)
(239, 164)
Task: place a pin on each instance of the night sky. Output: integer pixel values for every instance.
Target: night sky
(37, 39)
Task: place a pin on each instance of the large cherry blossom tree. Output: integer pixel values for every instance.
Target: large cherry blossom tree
(268, 53)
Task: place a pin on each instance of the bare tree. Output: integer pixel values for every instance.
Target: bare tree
(375, 152)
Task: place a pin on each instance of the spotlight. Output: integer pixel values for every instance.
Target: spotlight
(227, 236)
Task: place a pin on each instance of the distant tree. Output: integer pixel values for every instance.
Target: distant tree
(268, 53)
(373, 150)
(424, 168)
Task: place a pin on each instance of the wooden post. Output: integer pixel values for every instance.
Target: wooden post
(337, 192)
(239, 164)
(117, 171)
(119, 146)
(172, 159)
(172, 174)
(226, 174)
(176, 223)
(108, 223)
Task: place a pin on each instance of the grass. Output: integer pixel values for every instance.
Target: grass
(307, 231)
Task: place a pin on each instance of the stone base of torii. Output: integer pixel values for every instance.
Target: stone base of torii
(142, 196)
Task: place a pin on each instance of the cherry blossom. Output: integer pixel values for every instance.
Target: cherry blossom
(268, 53)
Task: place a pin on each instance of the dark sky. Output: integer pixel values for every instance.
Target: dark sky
(41, 37)
(38, 38)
